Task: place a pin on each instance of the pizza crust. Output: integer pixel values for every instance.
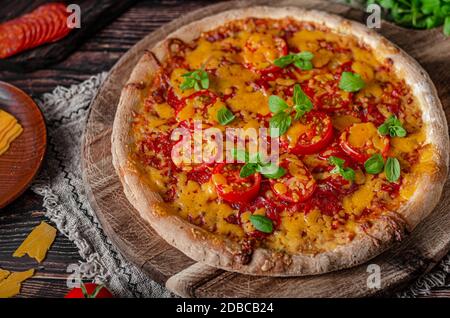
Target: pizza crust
(214, 250)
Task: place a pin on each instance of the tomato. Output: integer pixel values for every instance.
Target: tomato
(173, 100)
(261, 50)
(315, 132)
(360, 141)
(231, 187)
(297, 184)
(89, 290)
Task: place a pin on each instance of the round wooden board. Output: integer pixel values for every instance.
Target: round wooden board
(21, 162)
(165, 264)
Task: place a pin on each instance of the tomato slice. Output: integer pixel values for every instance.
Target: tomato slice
(261, 50)
(360, 141)
(297, 185)
(231, 187)
(310, 134)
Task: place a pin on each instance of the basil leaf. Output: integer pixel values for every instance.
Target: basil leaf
(305, 55)
(392, 169)
(284, 60)
(197, 79)
(336, 161)
(348, 174)
(240, 155)
(383, 129)
(302, 103)
(393, 127)
(351, 82)
(247, 170)
(374, 164)
(429, 6)
(303, 65)
(272, 171)
(397, 131)
(277, 104)
(387, 4)
(225, 116)
(282, 121)
(261, 223)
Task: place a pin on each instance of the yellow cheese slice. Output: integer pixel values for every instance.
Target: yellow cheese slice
(10, 286)
(3, 274)
(37, 243)
(9, 130)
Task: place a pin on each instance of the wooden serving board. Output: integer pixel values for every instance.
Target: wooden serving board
(94, 16)
(168, 266)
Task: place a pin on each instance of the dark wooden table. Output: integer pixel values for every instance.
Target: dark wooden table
(98, 54)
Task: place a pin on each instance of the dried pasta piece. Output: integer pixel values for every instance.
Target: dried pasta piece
(3, 274)
(10, 129)
(37, 243)
(10, 286)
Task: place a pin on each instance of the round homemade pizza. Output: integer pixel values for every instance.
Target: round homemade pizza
(280, 141)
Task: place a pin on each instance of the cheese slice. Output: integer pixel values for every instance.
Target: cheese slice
(38, 242)
(10, 286)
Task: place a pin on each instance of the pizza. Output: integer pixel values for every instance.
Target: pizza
(358, 141)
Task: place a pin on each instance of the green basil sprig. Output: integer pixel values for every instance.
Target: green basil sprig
(261, 223)
(197, 80)
(393, 127)
(346, 172)
(254, 163)
(301, 60)
(282, 112)
(351, 82)
(225, 116)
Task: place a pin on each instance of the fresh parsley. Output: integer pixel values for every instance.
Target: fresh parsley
(197, 80)
(225, 116)
(392, 127)
(374, 164)
(261, 223)
(254, 163)
(301, 60)
(351, 82)
(392, 169)
(281, 120)
(417, 14)
(346, 172)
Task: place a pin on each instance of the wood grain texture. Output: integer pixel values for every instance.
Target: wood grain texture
(22, 160)
(94, 16)
(139, 243)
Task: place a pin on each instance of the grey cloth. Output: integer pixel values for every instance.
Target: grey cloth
(60, 183)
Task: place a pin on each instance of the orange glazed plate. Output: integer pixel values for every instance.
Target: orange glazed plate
(21, 162)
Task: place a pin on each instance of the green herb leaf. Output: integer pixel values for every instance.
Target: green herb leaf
(447, 26)
(241, 155)
(197, 79)
(225, 116)
(351, 82)
(345, 172)
(277, 104)
(272, 171)
(282, 121)
(261, 223)
(392, 169)
(301, 60)
(302, 103)
(374, 164)
(393, 127)
(248, 169)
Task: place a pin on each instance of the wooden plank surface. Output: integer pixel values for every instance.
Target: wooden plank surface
(404, 262)
(98, 54)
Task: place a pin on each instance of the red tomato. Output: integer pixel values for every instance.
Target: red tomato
(90, 290)
(231, 187)
(261, 50)
(173, 100)
(316, 134)
(297, 185)
(360, 141)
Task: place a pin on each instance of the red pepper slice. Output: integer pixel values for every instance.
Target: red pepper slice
(231, 187)
(297, 185)
(360, 141)
(316, 134)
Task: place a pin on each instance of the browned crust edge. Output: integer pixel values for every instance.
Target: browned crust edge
(213, 250)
